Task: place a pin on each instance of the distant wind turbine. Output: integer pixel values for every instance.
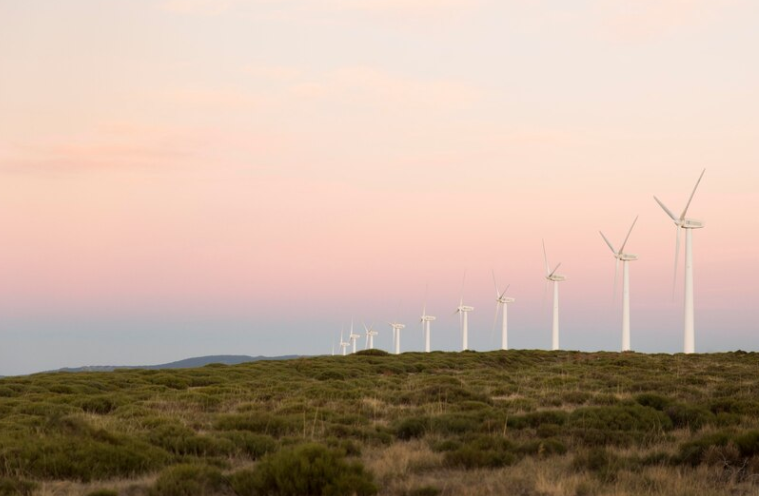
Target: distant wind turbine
(425, 320)
(463, 310)
(683, 222)
(353, 337)
(397, 336)
(556, 279)
(343, 344)
(624, 258)
(501, 303)
(370, 333)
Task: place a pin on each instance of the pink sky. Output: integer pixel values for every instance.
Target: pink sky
(191, 177)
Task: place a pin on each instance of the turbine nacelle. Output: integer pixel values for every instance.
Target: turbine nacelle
(428, 318)
(690, 224)
(626, 257)
(397, 326)
(464, 308)
(505, 299)
(556, 278)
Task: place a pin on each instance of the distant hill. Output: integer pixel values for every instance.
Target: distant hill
(187, 363)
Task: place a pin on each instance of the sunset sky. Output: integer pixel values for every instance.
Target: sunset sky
(193, 177)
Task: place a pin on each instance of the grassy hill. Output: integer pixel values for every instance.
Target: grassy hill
(515, 422)
(187, 363)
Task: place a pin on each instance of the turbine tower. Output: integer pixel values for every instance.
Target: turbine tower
(353, 337)
(624, 258)
(425, 320)
(463, 310)
(370, 333)
(343, 344)
(502, 302)
(683, 222)
(556, 279)
(396, 336)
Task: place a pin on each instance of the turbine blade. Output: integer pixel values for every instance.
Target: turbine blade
(677, 256)
(504, 291)
(545, 257)
(496, 285)
(608, 243)
(628, 235)
(554, 270)
(668, 211)
(682, 217)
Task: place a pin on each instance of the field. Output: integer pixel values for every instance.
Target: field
(515, 422)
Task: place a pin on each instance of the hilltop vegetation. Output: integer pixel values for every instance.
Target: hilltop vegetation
(515, 422)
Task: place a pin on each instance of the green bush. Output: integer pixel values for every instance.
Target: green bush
(189, 480)
(100, 405)
(654, 401)
(253, 445)
(305, 470)
(620, 418)
(181, 440)
(600, 462)
(536, 419)
(16, 487)
(543, 448)
(455, 423)
(411, 428)
(689, 416)
(103, 492)
(424, 491)
(471, 457)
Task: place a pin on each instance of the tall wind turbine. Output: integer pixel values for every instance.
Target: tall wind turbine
(463, 310)
(353, 337)
(343, 344)
(501, 303)
(556, 279)
(624, 258)
(396, 336)
(683, 222)
(425, 320)
(370, 333)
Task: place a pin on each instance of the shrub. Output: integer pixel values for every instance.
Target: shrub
(189, 480)
(548, 430)
(620, 418)
(411, 428)
(652, 400)
(536, 419)
(455, 423)
(103, 492)
(423, 491)
(543, 448)
(471, 457)
(100, 405)
(305, 470)
(253, 445)
(692, 417)
(181, 440)
(692, 452)
(16, 487)
(600, 462)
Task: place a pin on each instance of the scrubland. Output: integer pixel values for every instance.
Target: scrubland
(498, 423)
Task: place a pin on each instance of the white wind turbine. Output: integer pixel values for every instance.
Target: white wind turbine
(502, 302)
(463, 310)
(370, 333)
(683, 222)
(425, 320)
(624, 258)
(397, 336)
(343, 344)
(556, 279)
(353, 337)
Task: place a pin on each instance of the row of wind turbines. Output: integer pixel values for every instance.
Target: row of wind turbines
(502, 301)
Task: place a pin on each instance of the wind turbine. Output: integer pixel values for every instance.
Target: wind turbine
(501, 302)
(343, 344)
(370, 333)
(556, 279)
(397, 336)
(425, 320)
(683, 222)
(353, 337)
(624, 258)
(463, 310)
